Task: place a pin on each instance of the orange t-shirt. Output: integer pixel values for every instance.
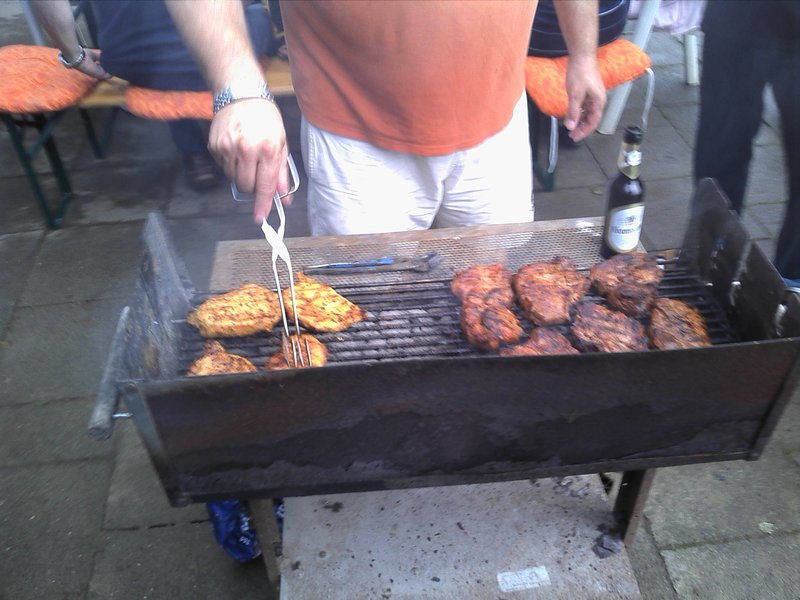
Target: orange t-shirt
(424, 77)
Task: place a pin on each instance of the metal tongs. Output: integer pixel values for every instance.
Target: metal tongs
(279, 250)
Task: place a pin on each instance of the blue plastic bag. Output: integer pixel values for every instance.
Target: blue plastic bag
(232, 530)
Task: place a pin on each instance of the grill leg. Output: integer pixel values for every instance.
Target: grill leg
(263, 514)
(629, 505)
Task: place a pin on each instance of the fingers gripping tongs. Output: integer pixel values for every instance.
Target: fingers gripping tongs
(300, 353)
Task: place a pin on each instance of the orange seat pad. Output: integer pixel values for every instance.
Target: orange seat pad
(618, 62)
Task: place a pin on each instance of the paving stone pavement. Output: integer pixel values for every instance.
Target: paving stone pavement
(86, 519)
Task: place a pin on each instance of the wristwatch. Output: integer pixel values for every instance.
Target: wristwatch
(241, 91)
(73, 63)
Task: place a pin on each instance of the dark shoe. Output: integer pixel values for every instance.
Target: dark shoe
(202, 172)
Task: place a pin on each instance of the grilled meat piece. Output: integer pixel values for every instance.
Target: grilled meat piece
(215, 361)
(675, 324)
(629, 282)
(320, 307)
(547, 290)
(484, 280)
(488, 324)
(543, 341)
(598, 329)
(310, 347)
(243, 311)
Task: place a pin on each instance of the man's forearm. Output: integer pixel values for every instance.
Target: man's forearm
(216, 33)
(578, 21)
(55, 17)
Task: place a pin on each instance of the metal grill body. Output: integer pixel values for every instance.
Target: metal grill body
(407, 402)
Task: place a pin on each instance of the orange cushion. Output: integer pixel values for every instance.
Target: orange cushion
(169, 105)
(618, 62)
(32, 80)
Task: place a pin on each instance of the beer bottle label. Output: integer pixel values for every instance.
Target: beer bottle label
(624, 227)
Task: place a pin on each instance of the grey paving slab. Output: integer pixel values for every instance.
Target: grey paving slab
(768, 214)
(772, 114)
(671, 87)
(454, 542)
(85, 263)
(664, 154)
(667, 212)
(173, 562)
(717, 502)
(136, 499)
(17, 252)
(569, 203)
(767, 180)
(196, 239)
(648, 564)
(50, 432)
(186, 202)
(665, 49)
(57, 351)
(765, 567)
(768, 246)
(576, 167)
(50, 518)
(18, 205)
(122, 193)
(684, 119)
(5, 315)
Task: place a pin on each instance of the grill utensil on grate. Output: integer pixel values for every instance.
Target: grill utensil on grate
(279, 250)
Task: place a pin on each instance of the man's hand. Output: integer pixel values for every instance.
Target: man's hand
(91, 65)
(587, 98)
(248, 139)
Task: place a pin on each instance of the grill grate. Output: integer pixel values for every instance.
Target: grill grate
(421, 320)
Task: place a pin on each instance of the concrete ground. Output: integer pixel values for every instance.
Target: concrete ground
(86, 519)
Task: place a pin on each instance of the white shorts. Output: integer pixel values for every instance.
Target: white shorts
(356, 187)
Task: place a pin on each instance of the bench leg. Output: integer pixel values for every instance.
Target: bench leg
(99, 146)
(44, 127)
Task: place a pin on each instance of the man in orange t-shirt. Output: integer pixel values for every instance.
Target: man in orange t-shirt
(414, 112)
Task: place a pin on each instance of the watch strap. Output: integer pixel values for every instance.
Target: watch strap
(232, 93)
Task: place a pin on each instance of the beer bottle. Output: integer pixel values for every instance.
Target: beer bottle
(625, 199)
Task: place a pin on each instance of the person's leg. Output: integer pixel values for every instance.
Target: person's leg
(492, 183)
(786, 88)
(355, 187)
(730, 113)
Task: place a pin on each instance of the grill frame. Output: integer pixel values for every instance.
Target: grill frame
(468, 418)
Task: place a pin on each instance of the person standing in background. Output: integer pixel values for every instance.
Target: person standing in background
(748, 45)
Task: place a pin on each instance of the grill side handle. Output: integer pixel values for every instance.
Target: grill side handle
(101, 422)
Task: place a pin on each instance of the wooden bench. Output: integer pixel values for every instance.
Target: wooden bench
(36, 92)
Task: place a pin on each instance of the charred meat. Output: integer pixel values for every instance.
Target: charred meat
(629, 282)
(243, 311)
(484, 281)
(598, 329)
(488, 324)
(543, 341)
(675, 324)
(215, 361)
(547, 290)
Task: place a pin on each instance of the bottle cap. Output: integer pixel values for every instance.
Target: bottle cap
(633, 134)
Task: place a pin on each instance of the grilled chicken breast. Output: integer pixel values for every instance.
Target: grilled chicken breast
(320, 307)
(598, 329)
(215, 361)
(547, 290)
(310, 353)
(675, 324)
(243, 311)
(629, 282)
(542, 341)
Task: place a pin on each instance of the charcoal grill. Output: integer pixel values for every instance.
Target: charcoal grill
(406, 402)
